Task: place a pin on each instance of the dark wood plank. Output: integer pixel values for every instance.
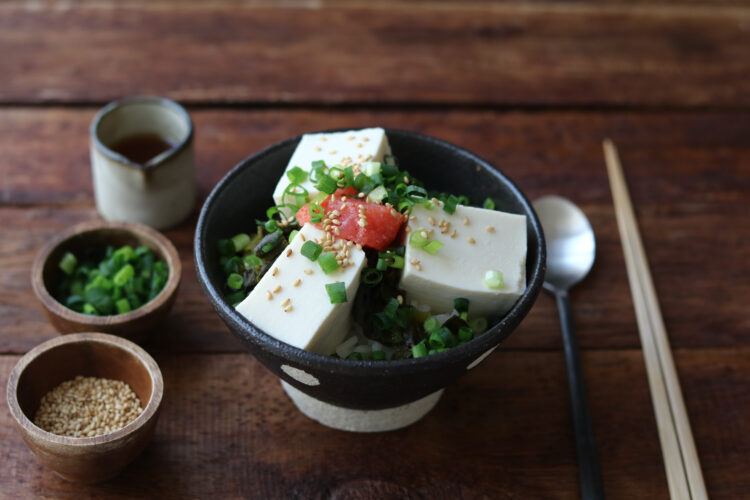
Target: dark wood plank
(227, 430)
(687, 175)
(514, 53)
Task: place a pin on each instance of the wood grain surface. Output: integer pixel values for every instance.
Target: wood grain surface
(533, 87)
(507, 54)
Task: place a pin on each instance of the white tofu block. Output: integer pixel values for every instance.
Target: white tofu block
(352, 147)
(303, 315)
(475, 240)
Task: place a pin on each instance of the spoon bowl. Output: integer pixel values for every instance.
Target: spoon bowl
(570, 242)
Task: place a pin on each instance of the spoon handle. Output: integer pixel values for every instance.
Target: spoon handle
(588, 460)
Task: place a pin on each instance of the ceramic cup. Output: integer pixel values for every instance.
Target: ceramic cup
(160, 192)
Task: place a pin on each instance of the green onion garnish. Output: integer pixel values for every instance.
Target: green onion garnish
(461, 304)
(123, 275)
(226, 248)
(252, 261)
(449, 205)
(311, 250)
(378, 355)
(433, 247)
(316, 212)
(89, 309)
(123, 306)
(240, 241)
(318, 164)
(431, 324)
(417, 239)
(478, 325)
(442, 337)
(234, 281)
(68, 263)
(381, 265)
(336, 292)
(328, 262)
(292, 234)
(493, 279)
(371, 168)
(464, 334)
(489, 204)
(371, 277)
(297, 175)
(378, 194)
(419, 350)
(326, 184)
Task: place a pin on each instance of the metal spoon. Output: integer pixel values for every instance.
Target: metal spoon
(570, 255)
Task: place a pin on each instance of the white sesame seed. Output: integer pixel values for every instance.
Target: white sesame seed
(490, 229)
(288, 309)
(471, 240)
(466, 221)
(289, 252)
(431, 220)
(453, 234)
(286, 302)
(277, 289)
(269, 295)
(308, 271)
(275, 271)
(297, 282)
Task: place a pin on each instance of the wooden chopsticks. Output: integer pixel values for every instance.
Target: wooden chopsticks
(683, 469)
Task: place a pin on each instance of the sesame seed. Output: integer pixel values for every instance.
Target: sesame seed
(359, 246)
(419, 267)
(277, 289)
(413, 217)
(406, 180)
(308, 271)
(297, 282)
(361, 223)
(350, 138)
(302, 237)
(289, 252)
(317, 148)
(288, 309)
(466, 221)
(400, 299)
(423, 234)
(332, 152)
(470, 240)
(336, 222)
(323, 139)
(407, 229)
(413, 262)
(453, 234)
(359, 144)
(286, 302)
(337, 231)
(275, 271)
(431, 220)
(361, 195)
(394, 213)
(269, 295)
(365, 139)
(490, 229)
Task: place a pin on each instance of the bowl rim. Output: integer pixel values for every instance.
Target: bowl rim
(159, 240)
(149, 409)
(469, 351)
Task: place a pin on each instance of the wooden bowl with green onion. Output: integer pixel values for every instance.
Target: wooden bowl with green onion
(118, 287)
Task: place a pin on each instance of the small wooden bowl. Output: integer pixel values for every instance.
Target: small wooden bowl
(136, 324)
(92, 459)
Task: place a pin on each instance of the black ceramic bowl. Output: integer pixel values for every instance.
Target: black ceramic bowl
(244, 194)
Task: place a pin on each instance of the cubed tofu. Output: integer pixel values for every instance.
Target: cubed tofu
(353, 147)
(291, 304)
(475, 241)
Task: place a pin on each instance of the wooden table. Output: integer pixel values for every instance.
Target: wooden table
(531, 86)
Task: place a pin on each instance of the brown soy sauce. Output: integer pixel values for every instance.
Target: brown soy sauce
(140, 148)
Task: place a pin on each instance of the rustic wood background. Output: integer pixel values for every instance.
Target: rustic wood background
(531, 86)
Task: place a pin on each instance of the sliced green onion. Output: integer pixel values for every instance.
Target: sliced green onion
(296, 175)
(357, 356)
(449, 205)
(336, 292)
(378, 355)
(235, 298)
(123, 275)
(240, 241)
(381, 265)
(328, 262)
(226, 247)
(349, 176)
(252, 261)
(318, 164)
(418, 238)
(126, 253)
(311, 250)
(465, 334)
(442, 337)
(461, 304)
(359, 181)
(378, 194)
(433, 247)
(123, 306)
(371, 168)
(327, 184)
(489, 204)
(463, 200)
(391, 308)
(478, 325)
(417, 194)
(419, 350)
(316, 212)
(98, 297)
(371, 276)
(431, 324)
(234, 281)
(89, 309)
(68, 263)
(292, 234)
(270, 226)
(493, 279)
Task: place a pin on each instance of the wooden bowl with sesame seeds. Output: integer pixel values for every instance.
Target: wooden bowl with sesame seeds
(39, 373)
(135, 325)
